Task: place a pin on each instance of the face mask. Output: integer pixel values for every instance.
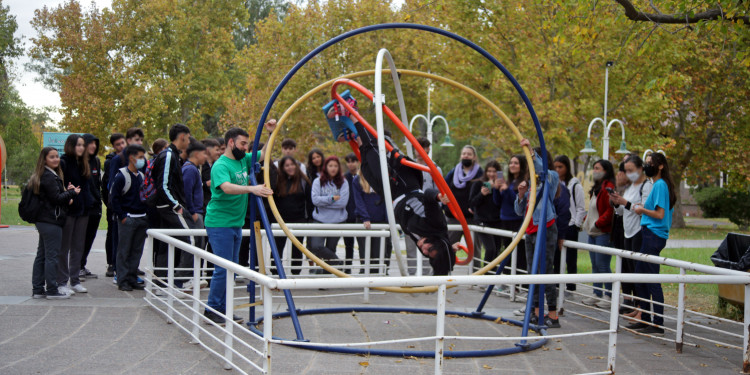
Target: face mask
(467, 162)
(237, 153)
(649, 170)
(140, 163)
(598, 176)
(633, 177)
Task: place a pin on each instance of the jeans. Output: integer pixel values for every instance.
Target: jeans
(329, 242)
(132, 235)
(571, 255)
(71, 251)
(91, 230)
(550, 245)
(651, 245)
(600, 263)
(45, 263)
(628, 265)
(375, 252)
(226, 244)
(110, 246)
(491, 244)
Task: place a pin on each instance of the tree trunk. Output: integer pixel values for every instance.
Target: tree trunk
(678, 219)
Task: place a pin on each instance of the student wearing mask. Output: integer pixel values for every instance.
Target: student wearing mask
(95, 209)
(636, 194)
(117, 140)
(292, 196)
(226, 213)
(134, 136)
(598, 226)
(76, 172)
(131, 214)
(330, 195)
(459, 181)
(486, 214)
(47, 182)
(577, 214)
(521, 206)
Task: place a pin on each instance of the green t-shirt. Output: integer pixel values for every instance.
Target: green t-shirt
(228, 210)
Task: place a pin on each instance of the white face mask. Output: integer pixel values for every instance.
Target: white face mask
(598, 175)
(633, 177)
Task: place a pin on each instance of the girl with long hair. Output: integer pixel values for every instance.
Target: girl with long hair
(75, 166)
(47, 183)
(369, 208)
(656, 219)
(636, 194)
(459, 180)
(292, 196)
(315, 160)
(486, 213)
(504, 194)
(329, 195)
(598, 226)
(577, 213)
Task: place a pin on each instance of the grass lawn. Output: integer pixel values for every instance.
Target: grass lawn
(695, 231)
(699, 297)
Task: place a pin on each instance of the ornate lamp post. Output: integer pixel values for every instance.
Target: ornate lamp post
(588, 147)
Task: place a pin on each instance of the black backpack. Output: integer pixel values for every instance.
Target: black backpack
(30, 206)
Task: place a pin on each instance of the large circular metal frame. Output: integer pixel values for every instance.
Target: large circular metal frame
(406, 353)
(427, 289)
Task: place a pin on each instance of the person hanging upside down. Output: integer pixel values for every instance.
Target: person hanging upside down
(417, 212)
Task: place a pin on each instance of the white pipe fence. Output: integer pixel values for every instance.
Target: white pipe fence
(184, 310)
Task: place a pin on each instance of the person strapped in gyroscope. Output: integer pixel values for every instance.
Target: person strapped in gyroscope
(417, 212)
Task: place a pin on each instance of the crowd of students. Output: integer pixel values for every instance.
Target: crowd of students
(191, 184)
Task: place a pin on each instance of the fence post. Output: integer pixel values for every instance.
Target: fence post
(440, 330)
(196, 297)
(267, 327)
(614, 315)
(562, 286)
(229, 316)
(513, 264)
(170, 282)
(680, 314)
(148, 252)
(746, 331)
(368, 253)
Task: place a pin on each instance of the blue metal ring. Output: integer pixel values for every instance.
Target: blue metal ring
(406, 353)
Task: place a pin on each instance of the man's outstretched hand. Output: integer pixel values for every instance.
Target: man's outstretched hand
(260, 190)
(456, 246)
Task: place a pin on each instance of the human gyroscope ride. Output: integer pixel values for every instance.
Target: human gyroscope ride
(391, 174)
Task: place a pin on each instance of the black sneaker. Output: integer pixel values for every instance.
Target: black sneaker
(88, 273)
(551, 323)
(57, 295)
(125, 287)
(110, 271)
(38, 295)
(137, 286)
(214, 317)
(141, 273)
(651, 330)
(637, 326)
(533, 319)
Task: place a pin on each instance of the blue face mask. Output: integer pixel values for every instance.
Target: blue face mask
(140, 163)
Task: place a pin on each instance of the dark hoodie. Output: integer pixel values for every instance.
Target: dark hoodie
(95, 182)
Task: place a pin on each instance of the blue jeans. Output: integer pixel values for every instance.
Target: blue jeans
(225, 243)
(651, 245)
(600, 263)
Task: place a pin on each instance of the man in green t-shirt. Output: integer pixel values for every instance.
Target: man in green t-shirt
(226, 211)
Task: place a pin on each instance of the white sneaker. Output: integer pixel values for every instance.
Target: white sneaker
(520, 312)
(63, 289)
(604, 303)
(188, 286)
(78, 288)
(590, 301)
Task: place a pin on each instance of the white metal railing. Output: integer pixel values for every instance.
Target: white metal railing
(187, 315)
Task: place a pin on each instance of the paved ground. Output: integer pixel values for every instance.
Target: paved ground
(108, 331)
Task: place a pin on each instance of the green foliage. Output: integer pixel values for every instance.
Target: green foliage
(16, 129)
(720, 202)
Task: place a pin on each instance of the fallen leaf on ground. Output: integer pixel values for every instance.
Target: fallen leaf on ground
(364, 364)
(558, 348)
(487, 367)
(656, 354)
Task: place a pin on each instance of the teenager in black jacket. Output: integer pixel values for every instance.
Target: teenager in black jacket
(48, 184)
(117, 140)
(486, 214)
(91, 143)
(292, 197)
(76, 172)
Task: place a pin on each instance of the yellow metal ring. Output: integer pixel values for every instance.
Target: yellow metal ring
(480, 97)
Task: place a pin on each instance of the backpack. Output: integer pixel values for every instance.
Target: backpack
(128, 182)
(30, 206)
(148, 189)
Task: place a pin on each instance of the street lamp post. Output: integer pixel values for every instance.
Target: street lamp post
(588, 148)
(430, 121)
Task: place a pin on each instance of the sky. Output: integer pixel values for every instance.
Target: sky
(34, 94)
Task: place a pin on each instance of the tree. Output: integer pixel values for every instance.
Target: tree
(10, 48)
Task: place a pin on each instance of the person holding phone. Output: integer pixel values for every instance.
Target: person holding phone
(486, 213)
(598, 226)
